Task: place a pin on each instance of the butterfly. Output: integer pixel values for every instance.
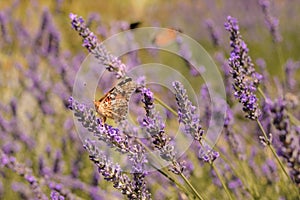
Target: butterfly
(114, 104)
(166, 37)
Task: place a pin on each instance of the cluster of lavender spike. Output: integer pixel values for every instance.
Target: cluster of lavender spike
(90, 41)
(288, 136)
(151, 122)
(54, 165)
(133, 189)
(42, 169)
(245, 78)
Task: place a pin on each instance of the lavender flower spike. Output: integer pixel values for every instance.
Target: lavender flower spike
(114, 174)
(271, 22)
(246, 80)
(186, 112)
(104, 132)
(155, 128)
(191, 122)
(90, 41)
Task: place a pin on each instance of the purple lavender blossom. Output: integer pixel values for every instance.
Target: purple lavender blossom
(290, 69)
(90, 41)
(207, 105)
(208, 155)
(104, 132)
(289, 147)
(154, 126)
(45, 21)
(227, 76)
(12, 163)
(3, 28)
(53, 41)
(113, 137)
(271, 22)
(245, 78)
(139, 160)
(214, 34)
(265, 74)
(57, 163)
(231, 137)
(113, 173)
(56, 196)
(187, 113)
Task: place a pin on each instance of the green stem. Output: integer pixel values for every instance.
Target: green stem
(293, 119)
(222, 181)
(279, 55)
(191, 186)
(268, 142)
(261, 93)
(243, 177)
(182, 176)
(166, 106)
(166, 174)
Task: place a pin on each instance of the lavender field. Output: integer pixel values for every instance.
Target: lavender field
(150, 99)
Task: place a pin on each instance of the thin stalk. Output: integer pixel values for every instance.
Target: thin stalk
(242, 177)
(293, 119)
(222, 181)
(191, 186)
(280, 58)
(261, 93)
(165, 105)
(166, 174)
(182, 176)
(268, 142)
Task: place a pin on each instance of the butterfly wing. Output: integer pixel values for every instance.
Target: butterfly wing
(114, 104)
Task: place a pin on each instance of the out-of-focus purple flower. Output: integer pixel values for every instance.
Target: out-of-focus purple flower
(53, 41)
(23, 171)
(269, 169)
(91, 18)
(56, 196)
(227, 76)
(214, 34)
(245, 78)
(77, 163)
(236, 183)
(23, 35)
(231, 137)
(186, 53)
(205, 98)
(60, 189)
(187, 113)
(57, 162)
(290, 69)
(265, 75)
(90, 41)
(289, 147)
(45, 21)
(271, 22)
(3, 27)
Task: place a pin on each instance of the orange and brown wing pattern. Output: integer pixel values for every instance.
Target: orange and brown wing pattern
(114, 104)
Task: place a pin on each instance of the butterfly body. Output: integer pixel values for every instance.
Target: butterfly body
(114, 104)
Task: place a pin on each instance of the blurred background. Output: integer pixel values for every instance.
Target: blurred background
(40, 55)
